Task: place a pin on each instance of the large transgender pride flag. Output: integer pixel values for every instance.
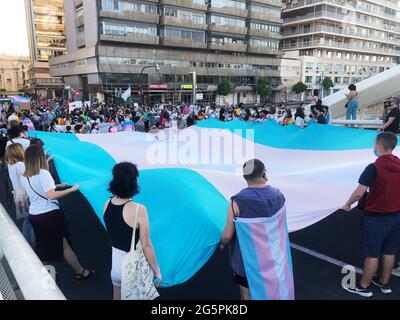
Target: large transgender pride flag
(315, 168)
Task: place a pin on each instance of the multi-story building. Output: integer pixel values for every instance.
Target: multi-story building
(113, 44)
(12, 73)
(45, 22)
(345, 40)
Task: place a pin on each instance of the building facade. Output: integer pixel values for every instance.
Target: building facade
(13, 74)
(46, 36)
(345, 40)
(113, 44)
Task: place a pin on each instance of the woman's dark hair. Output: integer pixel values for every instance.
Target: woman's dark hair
(36, 142)
(299, 113)
(352, 87)
(14, 132)
(124, 182)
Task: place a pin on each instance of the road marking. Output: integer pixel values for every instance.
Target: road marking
(322, 257)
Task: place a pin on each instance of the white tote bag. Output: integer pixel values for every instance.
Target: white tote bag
(137, 275)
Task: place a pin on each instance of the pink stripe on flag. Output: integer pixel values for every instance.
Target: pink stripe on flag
(266, 263)
(284, 247)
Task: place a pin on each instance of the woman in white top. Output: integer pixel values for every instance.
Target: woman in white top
(48, 221)
(14, 157)
(299, 117)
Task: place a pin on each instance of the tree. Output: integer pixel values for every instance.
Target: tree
(299, 87)
(264, 87)
(327, 84)
(224, 88)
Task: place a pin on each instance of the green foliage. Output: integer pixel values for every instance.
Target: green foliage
(327, 84)
(264, 87)
(224, 88)
(299, 87)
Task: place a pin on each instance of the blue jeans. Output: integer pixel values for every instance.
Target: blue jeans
(28, 233)
(351, 113)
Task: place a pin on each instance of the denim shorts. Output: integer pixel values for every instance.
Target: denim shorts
(380, 235)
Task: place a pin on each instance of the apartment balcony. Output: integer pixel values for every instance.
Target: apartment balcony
(77, 2)
(338, 17)
(183, 23)
(234, 47)
(131, 38)
(79, 21)
(229, 11)
(337, 31)
(264, 17)
(263, 50)
(80, 42)
(342, 3)
(186, 43)
(276, 3)
(340, 46)
(49, 12)
(49, 27)
(186, 4)
(228, 29)
(264, 34)
(130, 15)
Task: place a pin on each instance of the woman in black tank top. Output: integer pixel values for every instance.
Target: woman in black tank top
(119, 216)
(119, 231)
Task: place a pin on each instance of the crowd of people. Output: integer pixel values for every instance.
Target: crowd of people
(110, 117)
(35, 192)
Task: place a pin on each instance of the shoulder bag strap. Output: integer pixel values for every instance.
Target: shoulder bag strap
(40, 194)
(133, 242)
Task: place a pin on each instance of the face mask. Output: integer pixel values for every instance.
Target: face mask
(376, 153)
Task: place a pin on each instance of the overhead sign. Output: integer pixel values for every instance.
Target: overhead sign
(199, 96)
(187, 86)
(158, 86)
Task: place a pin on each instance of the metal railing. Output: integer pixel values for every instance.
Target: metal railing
(359, 123)
(339, 31)
(350, 19)
(340, 45)
(33, 278)
(352, 6)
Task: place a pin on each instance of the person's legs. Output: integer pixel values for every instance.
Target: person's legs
(348, 113)
(354, 114)
(387, 268)
(370, 268)
(71, 259)
(244, 293)
(28, 233)
(117, 293)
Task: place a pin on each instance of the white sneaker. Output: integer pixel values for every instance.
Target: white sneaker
(396, 272)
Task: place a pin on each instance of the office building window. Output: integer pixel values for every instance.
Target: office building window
(225, 21)
(228, 3)
(195, 36)
(121, 29)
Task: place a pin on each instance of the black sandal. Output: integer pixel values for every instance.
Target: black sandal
(82, 275)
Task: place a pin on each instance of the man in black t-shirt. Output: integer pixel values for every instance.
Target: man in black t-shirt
(393, 119)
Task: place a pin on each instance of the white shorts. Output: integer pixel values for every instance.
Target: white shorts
(116, 270)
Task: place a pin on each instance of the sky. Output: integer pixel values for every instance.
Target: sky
(13, 33)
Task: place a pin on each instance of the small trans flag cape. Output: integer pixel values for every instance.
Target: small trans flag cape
(264, 244)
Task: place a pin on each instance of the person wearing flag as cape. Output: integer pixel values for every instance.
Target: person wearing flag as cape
(257, 235)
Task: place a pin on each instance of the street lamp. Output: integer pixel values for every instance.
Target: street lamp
(194, 80)
(157, 67)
